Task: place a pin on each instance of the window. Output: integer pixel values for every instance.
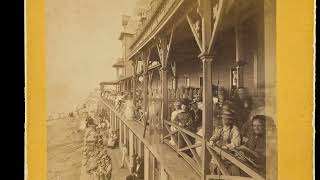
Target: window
(201, 81)
(187, 81)
(173, 84)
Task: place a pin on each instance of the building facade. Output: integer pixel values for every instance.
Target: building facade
(179, 49)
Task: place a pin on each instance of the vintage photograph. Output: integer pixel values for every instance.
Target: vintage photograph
(161, 90)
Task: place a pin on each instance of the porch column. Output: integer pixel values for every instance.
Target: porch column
(134, 83)
(164, 91)
(207, 124)
(145, 92)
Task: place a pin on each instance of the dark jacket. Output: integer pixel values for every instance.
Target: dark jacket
(185, 119)
(139, 172)
(197, 117)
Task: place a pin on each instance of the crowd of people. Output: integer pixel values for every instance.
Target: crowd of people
(98, 137)
(233, 128)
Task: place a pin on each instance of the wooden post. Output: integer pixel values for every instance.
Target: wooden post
(164, 47)
(145, 59)
(205, 11)
(207, 123)
(134, 81)
(164, 91)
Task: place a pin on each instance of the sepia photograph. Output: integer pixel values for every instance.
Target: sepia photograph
(161, 90)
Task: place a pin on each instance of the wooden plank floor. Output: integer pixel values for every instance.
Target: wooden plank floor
(175, 166)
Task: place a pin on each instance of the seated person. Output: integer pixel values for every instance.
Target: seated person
(227, 137)
(184, 117)
(255, 148)
(137, 171)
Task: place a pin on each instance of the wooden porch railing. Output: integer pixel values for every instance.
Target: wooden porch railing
(220, 156)
(190, 142)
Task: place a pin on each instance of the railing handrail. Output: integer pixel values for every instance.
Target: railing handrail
(243, 166)
(251, 171)
(196, 136)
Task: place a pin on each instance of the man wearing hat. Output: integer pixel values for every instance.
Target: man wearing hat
(227, 137)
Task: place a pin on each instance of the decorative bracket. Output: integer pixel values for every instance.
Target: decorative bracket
(145, 57)
(211, 12)
(174, 69)
(164, 46)
(195, 26)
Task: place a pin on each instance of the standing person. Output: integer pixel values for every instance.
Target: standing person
(124, 153)
(138, 173)
(105, 168)
(91, 135)
(92, 165)
(177, 110)
(196, 114)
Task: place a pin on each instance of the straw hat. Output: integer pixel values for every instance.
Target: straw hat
(228, 112)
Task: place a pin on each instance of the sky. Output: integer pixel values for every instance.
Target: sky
(81, 46)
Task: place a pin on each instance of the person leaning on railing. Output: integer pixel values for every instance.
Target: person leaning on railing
(254, 148)
(227, 137)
